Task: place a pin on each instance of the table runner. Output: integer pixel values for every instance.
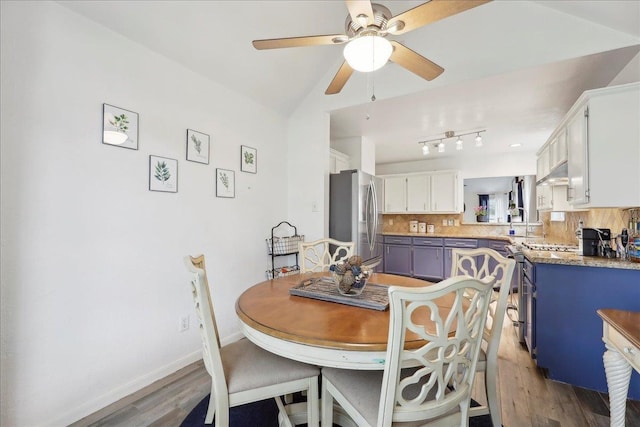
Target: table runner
(374, 296)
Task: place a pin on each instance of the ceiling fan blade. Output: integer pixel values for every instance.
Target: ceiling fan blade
(427, 13)
(361, 11)
(414, 62)
(339, 79)
(299, 41)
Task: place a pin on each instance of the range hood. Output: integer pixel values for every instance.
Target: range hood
(558, 176)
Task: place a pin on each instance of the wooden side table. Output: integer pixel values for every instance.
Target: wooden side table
(621, 336)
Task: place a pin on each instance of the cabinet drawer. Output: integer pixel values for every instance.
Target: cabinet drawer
(461, 243)
(398, 240)
(427, 241)
(624, 346)
(496, 245)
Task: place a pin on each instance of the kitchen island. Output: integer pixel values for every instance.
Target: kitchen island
(566, 332)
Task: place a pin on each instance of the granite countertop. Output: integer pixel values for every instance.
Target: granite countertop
(544, 257)
(572, 258)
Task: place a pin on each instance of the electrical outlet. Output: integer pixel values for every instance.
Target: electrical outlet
(183, 323)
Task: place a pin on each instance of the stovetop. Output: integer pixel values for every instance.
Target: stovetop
(550, 247)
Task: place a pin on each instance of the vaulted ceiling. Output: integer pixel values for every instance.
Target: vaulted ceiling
(511, 67)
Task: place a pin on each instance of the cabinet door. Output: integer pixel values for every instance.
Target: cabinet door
(542, 164)
(561, 148)
(397, 259)
(395, 194)
(578, 158)
(444, 192)
(428, 262)
(560, 195)
(545, 197)
(418, 193)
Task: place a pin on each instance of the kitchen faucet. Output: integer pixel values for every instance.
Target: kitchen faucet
(526, 218)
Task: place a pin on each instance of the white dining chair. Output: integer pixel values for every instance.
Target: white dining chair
(242, 372)
(430, 382)
(320, 254)
(480, 263)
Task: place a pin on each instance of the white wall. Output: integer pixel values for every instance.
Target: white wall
(629, 74)
(92, 277)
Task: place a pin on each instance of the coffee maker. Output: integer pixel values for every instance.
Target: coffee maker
(596, 241)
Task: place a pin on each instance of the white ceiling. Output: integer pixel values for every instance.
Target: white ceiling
(511, 67)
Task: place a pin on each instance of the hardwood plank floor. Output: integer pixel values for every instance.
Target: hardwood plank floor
(528, 398)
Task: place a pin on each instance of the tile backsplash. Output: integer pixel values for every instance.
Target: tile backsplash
(563, 232)
(399, 223)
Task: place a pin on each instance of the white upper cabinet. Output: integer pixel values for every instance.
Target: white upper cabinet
(603, 140)
(395, 194)
(444, 192)
(422, 193)
(542, 164)
(558, 150)
(544, 196)
(418, 193)
(577, 146)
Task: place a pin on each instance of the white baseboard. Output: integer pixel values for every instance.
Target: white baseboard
(88, 408)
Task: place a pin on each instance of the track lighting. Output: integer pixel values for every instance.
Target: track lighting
(459, 144)
(478, 140)
(451, 134)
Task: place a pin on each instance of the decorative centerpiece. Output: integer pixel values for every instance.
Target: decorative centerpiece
(350, 276)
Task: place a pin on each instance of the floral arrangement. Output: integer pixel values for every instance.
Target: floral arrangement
(480, 210)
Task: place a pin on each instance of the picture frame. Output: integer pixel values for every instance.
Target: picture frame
(225, 183)
(163, 174)
(197, 147)
(248, 159)
(119, 127)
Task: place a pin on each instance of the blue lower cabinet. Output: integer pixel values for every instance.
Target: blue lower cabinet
(449, 245)
(428, 262)
(397, 259)
(568, 331)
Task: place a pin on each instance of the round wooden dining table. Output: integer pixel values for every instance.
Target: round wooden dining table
(320, 332)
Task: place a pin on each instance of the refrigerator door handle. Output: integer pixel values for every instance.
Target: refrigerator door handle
(374, 205)
(367, 218)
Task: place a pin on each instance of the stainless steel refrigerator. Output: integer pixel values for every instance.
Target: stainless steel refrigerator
(355, 211)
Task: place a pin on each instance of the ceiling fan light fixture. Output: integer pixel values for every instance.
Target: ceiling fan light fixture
(367, 53)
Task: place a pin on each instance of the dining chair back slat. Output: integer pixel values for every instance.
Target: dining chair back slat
(480, 263)
(430, 383)
(318, 255)
(242, 372)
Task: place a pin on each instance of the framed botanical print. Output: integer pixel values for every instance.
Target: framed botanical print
(197, 146)
(163, 174)
(248, 159)
(119, 127)
(225, 183)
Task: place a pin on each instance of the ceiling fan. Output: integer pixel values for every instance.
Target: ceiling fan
(367, 48)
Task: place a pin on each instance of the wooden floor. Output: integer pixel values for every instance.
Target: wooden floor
(528, 398)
